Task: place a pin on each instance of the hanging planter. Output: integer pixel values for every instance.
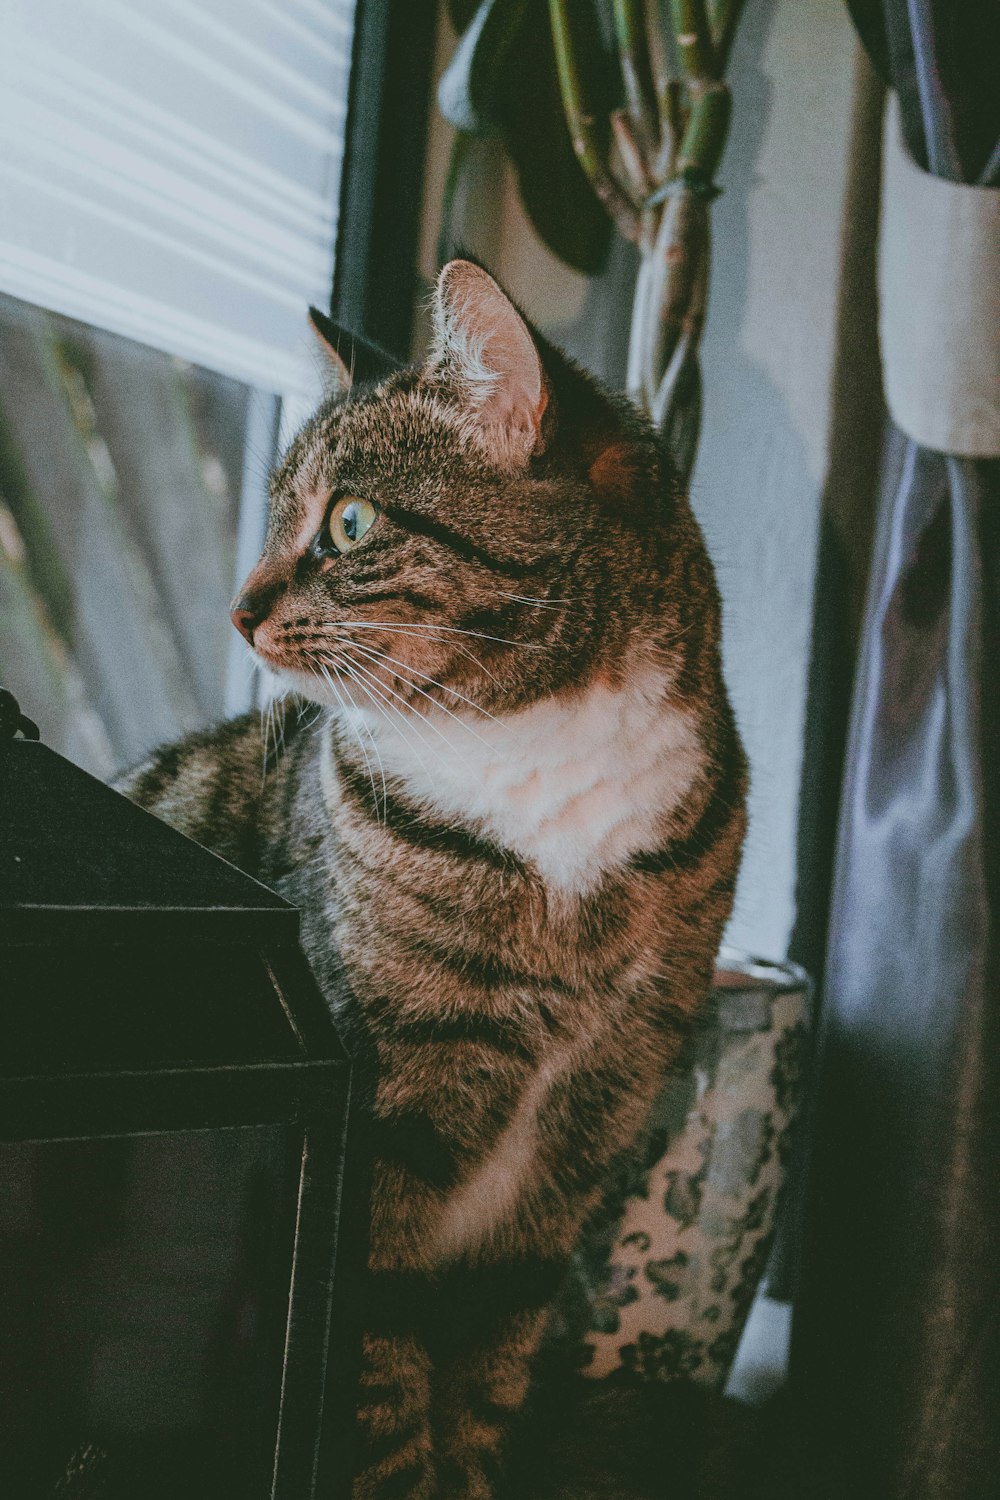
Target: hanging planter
(629, 138)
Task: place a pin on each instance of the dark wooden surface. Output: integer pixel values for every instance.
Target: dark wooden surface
(76, 853)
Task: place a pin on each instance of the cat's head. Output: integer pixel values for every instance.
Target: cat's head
(491, 527)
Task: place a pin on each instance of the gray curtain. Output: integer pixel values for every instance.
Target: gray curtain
(896, 1343)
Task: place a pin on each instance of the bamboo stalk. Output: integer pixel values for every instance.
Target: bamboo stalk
(725, 16)
(635, 378)
(676, 112)
(681, 419)
(694, 39)
(631, 154)
(581, 128)
(705, 135)
(637, 74)
(688, 332)
(657, 48)
(675, 268)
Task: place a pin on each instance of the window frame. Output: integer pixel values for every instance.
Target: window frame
(382, 179)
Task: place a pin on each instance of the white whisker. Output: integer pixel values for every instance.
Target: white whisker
(374, 743)
(267, 718)
(411, 711)
(279, 720)
(538, 603)
(263, 735)
(381, 768)
(390, 713)
(384, 656)
(354, 730)
(463, 650)
(405, 726)
(440, 706)
(343, 666)
(445, 629)
(360, 683)
(304, 708)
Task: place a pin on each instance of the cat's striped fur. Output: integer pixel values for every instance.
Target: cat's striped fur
(514, 838)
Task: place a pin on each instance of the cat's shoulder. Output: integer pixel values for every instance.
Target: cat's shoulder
(218, 785)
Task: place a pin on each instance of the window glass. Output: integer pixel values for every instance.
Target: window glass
(121, 475)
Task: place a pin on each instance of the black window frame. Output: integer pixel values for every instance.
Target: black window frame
(382, 183)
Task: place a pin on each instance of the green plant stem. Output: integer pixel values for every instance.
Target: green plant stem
(633, 158)
(671, 136)
(725, 16)
(694, 39)
(581, 126)
(637, 75)
(675, 111)
(674, 277)
(657, 46)
(635, 379)
(705, 135)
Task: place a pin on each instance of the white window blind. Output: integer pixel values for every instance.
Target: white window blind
(170, 170)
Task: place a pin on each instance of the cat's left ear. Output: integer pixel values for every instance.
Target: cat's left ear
(484, 346)
(349, 357)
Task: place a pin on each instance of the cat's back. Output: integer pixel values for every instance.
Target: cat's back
(231, 787)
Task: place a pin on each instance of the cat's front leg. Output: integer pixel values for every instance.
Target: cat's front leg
(448, 1352)
(434, 1419)
(583, 1116)
(394, 1407)
(395, 1459)
(478, 1394)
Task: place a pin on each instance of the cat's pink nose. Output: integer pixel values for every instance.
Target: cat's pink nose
(246, 619)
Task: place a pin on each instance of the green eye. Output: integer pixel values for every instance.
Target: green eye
(350, 518)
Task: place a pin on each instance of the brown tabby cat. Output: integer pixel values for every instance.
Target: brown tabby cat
(515, 836)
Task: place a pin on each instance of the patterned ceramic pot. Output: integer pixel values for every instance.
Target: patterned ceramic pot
(663, 1281)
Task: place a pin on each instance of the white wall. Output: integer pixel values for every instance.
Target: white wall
(768, 358)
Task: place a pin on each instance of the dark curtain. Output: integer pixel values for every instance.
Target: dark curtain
(896, 1343)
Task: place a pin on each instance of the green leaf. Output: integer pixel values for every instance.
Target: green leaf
(468, 91)
(502, 78)
(461, 12)
(555, 191)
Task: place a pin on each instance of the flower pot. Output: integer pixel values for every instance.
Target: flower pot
(663, 1279)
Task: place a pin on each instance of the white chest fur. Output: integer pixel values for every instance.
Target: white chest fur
(574, 784)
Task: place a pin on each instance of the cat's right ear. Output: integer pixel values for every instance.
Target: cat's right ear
(484, 346)
(349, 357)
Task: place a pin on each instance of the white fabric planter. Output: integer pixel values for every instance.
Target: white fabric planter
(662, 1285)
(939, 304)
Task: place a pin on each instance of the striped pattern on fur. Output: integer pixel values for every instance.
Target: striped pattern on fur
(513, 827)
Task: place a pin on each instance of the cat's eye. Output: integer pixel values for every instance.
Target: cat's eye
(350, 519)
